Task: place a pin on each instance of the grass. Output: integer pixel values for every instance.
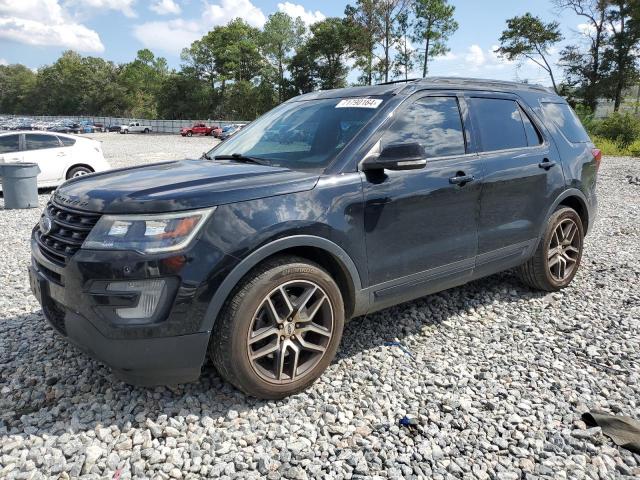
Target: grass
(609, 147)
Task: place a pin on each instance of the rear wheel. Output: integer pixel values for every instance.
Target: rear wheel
(559, 252)
(189, 134)
(78, 172)
(146, 130)
(280, 330)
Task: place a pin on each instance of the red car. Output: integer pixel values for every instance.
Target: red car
(196, 129)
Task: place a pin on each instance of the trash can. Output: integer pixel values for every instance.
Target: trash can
(20, 184)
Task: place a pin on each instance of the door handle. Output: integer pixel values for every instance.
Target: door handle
(461, 179)
(546, 164)
(61, 154)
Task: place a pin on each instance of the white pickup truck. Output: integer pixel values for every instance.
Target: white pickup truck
(135, 127)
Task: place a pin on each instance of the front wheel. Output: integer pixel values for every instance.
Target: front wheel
(557, 258)
(280, 329)
(189, 134)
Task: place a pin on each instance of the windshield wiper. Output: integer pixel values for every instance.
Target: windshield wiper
(242, 158)
(206, 156)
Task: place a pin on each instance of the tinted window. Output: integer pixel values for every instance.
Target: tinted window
(533, 136)
(434, 123)
(37, 141)
(301, 135)
(499, 124)
(67, 142)
(567, 121)
(9, 143)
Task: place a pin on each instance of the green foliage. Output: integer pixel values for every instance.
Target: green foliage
(16, 85)
(529, 37)
(622, 129)
(611, 148)
(434, 25)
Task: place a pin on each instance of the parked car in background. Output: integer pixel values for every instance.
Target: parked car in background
(196, 129)
(114, 128)
(66, 127)
(258, 253)
(59, 156)
(229, 130)
(135, 127)
(217, 130)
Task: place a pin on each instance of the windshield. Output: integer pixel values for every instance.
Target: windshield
(302, 135)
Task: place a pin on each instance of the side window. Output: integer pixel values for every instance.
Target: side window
(36, 141)
(67, 142)
(533, 136)
(567, 121)
(434, 122)
(499, 123)
(9, 143)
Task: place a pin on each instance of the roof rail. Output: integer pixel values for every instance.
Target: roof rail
(392, 82)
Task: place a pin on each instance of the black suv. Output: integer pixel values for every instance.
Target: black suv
(332, 205)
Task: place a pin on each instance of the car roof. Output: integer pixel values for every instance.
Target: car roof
(407, 87)
(44, 132)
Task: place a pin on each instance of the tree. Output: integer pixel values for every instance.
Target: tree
(302, 69)
(142, 80)
(280, 37)
(403, 62)
(529, 37)
(624, 20)
(17, 83)
(433, 27)
(329, 46)
(363, 22)
(583, 69)
(389, 11)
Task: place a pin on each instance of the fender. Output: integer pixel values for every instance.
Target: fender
(571, 192)
(240, 270)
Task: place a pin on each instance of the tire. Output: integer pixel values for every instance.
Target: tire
(146, 130)
(557, 258)
(78, 172)
(189, 134)
(247, 311)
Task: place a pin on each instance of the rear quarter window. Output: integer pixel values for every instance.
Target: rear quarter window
(566, 120)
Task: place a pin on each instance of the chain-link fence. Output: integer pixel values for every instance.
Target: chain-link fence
(158, 126)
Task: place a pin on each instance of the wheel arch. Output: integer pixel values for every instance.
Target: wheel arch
(316, 249)
(76, 165)
(574, 198)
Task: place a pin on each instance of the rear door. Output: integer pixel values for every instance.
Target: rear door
(10, 148)
(49, 153)
(523, 176)
(421, 225)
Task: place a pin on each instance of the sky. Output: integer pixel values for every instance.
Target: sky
(35, 32)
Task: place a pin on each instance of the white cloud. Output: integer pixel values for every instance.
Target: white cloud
(294, 10)
(165, 7)
(475, 56)
(123, 6)
(44, 23)
(3, 62)
(171, 36)
(227, 10)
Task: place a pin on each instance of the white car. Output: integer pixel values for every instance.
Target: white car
(135, 127)
(59, 156)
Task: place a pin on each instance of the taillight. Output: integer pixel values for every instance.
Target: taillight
(597, 156)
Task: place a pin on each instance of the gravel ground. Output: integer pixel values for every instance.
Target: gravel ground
(495, 374)
(134, 149)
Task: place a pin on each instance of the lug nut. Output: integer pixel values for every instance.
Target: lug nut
(280, 326)
(282, 337)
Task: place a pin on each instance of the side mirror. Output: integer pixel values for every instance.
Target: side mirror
(397, 156)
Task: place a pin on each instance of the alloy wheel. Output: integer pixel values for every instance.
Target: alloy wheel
(290, 331)
(564, 250)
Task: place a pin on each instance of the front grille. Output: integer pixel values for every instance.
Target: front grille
(70, 229)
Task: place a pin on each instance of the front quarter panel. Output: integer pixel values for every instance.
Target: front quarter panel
(332, 212)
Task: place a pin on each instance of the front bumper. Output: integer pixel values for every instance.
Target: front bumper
(169, 351)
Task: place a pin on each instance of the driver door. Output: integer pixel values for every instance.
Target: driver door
(421, 226)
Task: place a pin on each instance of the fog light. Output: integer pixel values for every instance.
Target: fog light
(151, 291)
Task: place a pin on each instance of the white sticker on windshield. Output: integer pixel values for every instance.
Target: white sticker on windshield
(359, 103)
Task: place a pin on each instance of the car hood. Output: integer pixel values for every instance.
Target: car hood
(180, 185)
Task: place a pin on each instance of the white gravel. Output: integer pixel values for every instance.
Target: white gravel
(497, 378)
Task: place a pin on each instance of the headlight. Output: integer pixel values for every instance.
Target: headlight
(147, 233)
